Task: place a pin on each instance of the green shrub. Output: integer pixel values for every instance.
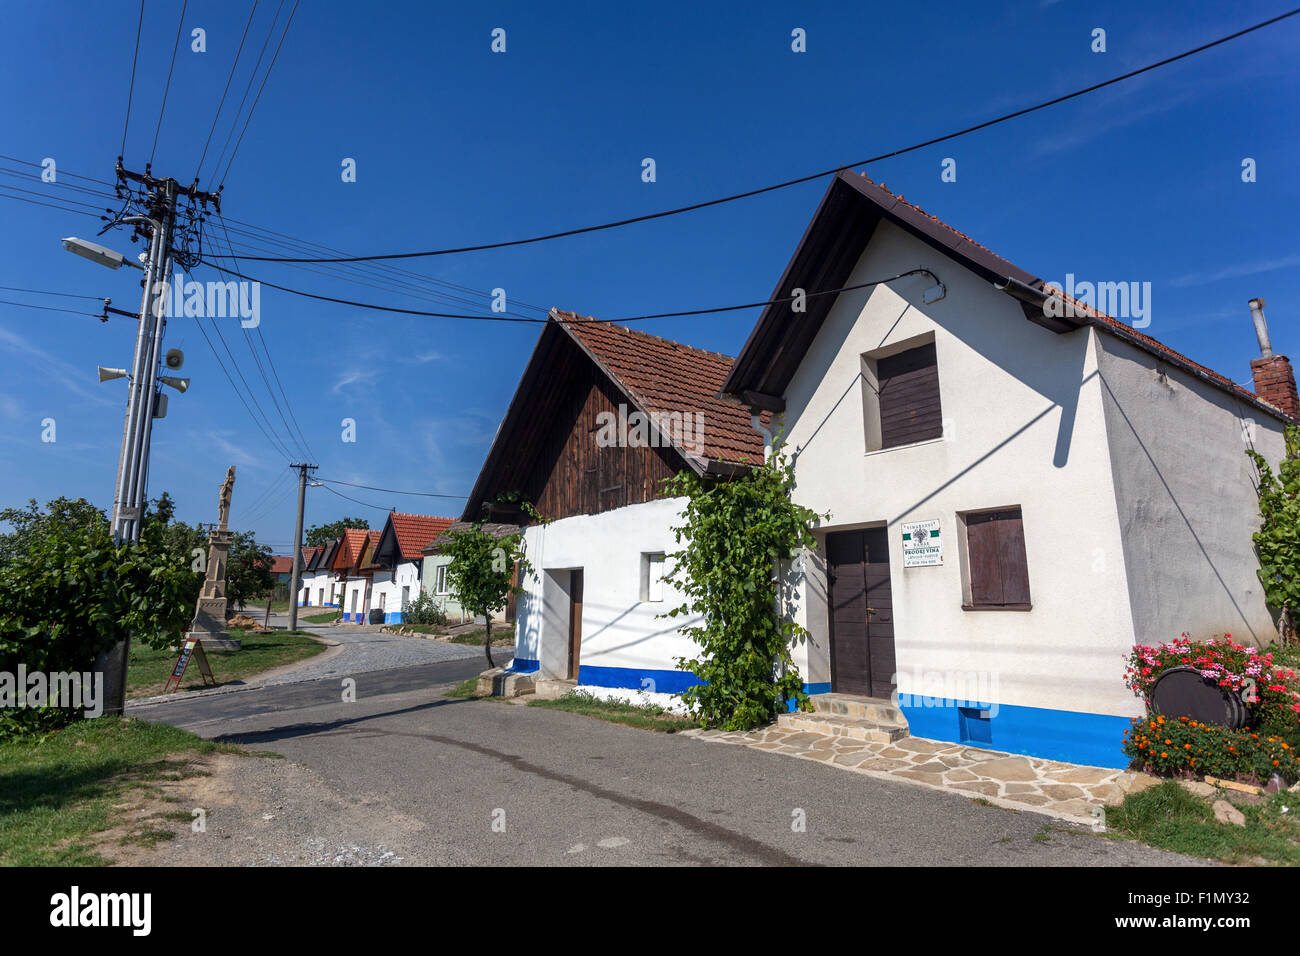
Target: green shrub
(69, 593)
(1172, 747)
(424, 610)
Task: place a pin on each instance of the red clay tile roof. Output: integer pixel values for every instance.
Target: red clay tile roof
(1093, 316)
(414, 532)
(350, 547)
(282, 564)
(665, 378)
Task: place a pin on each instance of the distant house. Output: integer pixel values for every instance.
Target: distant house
(397, 561)
(282, 568)
(434, 575)
(602, 415)
(320, 584)
(348, 565)
(1019, 486)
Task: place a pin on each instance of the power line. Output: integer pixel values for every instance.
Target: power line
(222, 102)
(802, 179)
(166, 89)
(63, 199)
(265, 76)
(617, 321)
(238, 394)
(234, 125)
(248, 339)
(256, 404)
(356, 500)
(36, 202)
(46, 308)
(66, 295)
(62, 172)
(394, 491)
(130, 92)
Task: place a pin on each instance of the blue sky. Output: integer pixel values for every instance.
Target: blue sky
(457, 145)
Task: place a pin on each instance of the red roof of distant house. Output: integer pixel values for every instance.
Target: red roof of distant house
(668, 378)
(414, 532)
(282, 564)
(350, 547)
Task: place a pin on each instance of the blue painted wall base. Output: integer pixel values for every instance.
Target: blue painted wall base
(1071, 736)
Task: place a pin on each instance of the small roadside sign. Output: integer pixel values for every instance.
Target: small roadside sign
(191, 648)
(922, 545)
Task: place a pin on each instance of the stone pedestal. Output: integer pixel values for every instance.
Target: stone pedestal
(209, 625)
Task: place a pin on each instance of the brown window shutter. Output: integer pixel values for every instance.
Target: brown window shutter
(1011, 551)
(909, 397)
(985, 570)
(999, 570)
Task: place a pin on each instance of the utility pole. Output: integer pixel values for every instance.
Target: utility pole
(131, 490)
(295, 580)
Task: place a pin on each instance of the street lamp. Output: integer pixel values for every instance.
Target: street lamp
(97, 253)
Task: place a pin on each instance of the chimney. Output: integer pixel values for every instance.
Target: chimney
(1274, 379)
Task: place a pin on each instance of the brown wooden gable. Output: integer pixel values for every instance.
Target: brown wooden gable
(575, 475)
(546, 448)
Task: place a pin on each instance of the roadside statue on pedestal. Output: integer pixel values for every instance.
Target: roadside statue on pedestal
(209, 625)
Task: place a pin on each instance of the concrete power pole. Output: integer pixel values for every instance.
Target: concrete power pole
(131, 490)
(295, 580)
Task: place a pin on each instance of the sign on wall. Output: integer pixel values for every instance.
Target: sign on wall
(922, 546)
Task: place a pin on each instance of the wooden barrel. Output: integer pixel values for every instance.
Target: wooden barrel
(1182, 692)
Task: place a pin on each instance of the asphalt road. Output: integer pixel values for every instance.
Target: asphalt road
(487, 782)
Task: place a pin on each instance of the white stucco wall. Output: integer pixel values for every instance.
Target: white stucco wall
(389, 584)
(359, 587)
(1023, 426)
(1186, 496)
(619, 630)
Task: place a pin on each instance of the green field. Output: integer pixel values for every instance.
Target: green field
(149, 669)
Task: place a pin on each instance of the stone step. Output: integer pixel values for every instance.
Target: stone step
(552, 688)
(838, 725)
(872, 709)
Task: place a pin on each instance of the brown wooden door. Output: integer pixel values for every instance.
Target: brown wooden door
(575, 622)
(861, 613)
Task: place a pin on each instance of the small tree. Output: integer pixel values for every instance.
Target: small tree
(318, 534)
(1277, 542)
(248, 569)
(482, 572)
(735, 536)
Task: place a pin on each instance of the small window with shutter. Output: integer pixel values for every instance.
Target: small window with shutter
(995, 557)
(652, 576)
(908, 386)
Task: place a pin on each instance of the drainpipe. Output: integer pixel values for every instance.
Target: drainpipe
(1261, 328)
(756, 422)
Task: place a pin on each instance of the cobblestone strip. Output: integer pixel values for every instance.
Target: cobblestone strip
(1068, 791)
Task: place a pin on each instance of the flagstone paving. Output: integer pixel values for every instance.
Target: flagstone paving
(1069, 791)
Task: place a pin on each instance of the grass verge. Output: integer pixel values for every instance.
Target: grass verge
(59, 790)
(1167, 817)
(149, 669)
(503, 637)
(642, 716)
(325, 618)
(463, 689)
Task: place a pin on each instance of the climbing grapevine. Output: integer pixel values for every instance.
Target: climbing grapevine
(734, 536)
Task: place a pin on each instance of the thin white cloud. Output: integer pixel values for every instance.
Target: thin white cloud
(353, 377)
(56, 369)
(1237, 271)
